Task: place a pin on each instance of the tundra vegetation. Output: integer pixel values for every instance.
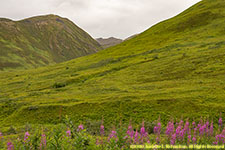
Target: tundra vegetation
(175, 69)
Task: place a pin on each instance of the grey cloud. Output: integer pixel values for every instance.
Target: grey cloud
(100, 18)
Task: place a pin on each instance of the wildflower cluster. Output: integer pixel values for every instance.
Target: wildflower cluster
(75, 137)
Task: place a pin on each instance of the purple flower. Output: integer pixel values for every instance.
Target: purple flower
(43, 143)
(220, 138)
(157, 130)
(80, 128)
(178, 130)
(102, 129)
(10, 146)
(173, 139)
(199, 125)
(202, 130)
(130, 127)
(194, 140)
(187, 124)
(181, 134)
(193, 124)
(181, 122)
(189, 139)
(223, 132)
(26, 136)
(159, 126)
(136, 137)
(141, 138)
(211, 129)
(142, 130)
(68, 133)
(130, 131)
(1, 136)
(112, 135)
(194, 136)
(186, 127)
(169, 129)
(220, 121)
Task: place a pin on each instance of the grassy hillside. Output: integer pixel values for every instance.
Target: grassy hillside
(42, 40)
(176, 68)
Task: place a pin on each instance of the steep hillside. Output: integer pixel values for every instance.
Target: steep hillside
(42, 40)
(131, 37)
(109, 42)
(174, 69)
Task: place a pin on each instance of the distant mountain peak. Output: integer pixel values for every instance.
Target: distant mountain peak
(108, 42)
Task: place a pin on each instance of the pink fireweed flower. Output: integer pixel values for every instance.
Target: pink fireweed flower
(220, 139)
(194, 140)
(220, 122)
(43, 143)
(187, 124)
(102, 130)
(169, 129)
(112, 135)
(142, 132)
(207, 129)
(193, 124)
(181, 135)
(223, 132)
(195, 130)
(26, 136)
(178, 130)
(130, 131)
(199, 126)
(136, 137)
(204, 128)
(10, 146)
(194, 136)
(181, 122)
(201, 130)
(186, 127)
(173, 139)
(189, 139)
(211, 129)
(68, 133)
(157, 128)
(80, 128)
(215, 143)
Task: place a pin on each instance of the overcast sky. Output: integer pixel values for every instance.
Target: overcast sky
(100, 18)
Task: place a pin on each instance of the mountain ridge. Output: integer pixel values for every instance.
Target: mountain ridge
(42, 40)
(108, 42)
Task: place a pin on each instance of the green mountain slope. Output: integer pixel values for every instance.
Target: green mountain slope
(176, 68)
(42, 40)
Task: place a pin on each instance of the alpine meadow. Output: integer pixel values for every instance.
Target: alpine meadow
(175, 70)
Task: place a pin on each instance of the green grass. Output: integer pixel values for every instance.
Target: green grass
(174, 69)
(42, 40)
